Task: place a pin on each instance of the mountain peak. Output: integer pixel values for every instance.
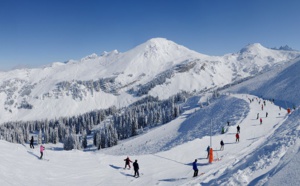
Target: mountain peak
(286, 48)
(159, 44)
(161, 47)
(252, 48)
(158, 41)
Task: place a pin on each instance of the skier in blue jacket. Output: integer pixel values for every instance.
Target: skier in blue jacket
(208, 148)
(195, 168)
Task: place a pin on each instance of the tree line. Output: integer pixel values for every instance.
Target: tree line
(106, 126)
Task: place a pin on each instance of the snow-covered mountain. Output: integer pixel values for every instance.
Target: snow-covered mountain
(266, 154)
(158, 67)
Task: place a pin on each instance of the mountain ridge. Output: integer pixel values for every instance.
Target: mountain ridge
(158, 67)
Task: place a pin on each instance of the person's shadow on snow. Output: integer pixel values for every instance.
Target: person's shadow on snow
(31, 153)
(119, 168)
(198, 164)
(126, 174)
(172, 179)
(202, 158)
(115, 167)
(230, 143)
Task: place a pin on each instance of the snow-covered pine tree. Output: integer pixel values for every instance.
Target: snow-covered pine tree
(56, 137)
(97, 139)
(40, 136)
(69, 143)
(84, 140)
(134, 126)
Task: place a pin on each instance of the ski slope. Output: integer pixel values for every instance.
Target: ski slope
(165, 154)
(267, 153)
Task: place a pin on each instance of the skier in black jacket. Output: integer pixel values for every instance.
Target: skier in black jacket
(222, 145)
(208, 148)
(31, 142)
(136, 169)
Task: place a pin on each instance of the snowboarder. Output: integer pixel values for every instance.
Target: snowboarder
(238, 129)
(222, 145)
(237, 137)
(136, 169)
(195, 168)
(267, 114)
(260, 120)
(257, 116)
(223, 130)
(31, 142)
(42, 148)
(207, 149)
(127, 162)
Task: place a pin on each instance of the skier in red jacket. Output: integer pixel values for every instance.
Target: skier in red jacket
(127, 162)
(237, 137)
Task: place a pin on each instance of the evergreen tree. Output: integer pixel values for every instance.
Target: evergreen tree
(69, 143)
(84, 140)
(40, 136)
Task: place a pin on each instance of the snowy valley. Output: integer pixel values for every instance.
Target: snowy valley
(158, 103)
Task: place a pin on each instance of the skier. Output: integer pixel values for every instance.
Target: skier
(31, 142)
(228, 123)
(195, 168)
(222, 145)
(136, 169)
(207, 149)
(267, 114)
(257, 116)
(223, 130)
(237, 137)
(238, 129)
(260, 121)
(262, 107)
(127, 162)
(42, 148)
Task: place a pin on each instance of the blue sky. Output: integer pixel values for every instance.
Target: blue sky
(38, 32)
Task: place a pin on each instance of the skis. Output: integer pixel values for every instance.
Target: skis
(44, 159)
(199, 174)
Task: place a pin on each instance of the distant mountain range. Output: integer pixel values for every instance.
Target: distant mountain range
(158, 67)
